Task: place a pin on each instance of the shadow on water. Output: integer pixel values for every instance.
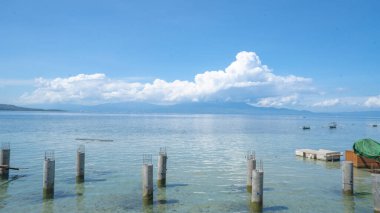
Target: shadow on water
(147, 208)
(348, 204)
(4, 184)
(62, 194)
(325, 164)
(338, 192)
(275, 208)
(239, 188)
(103, 172)
(95, 179)
(166, 202)
(362, 194)
(3, 194)
(244, 188)
(268, 189)
(80, 190)
(48, 206)
(161, 200)
(176, 185)
(158, 205)
(73, 180)
(11, 178)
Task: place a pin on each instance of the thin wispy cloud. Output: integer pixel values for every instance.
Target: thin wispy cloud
(245, 79)
(277, 101)
(327, 103)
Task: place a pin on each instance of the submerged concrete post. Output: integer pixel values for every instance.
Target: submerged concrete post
(348, 177)
(5, 160)
(376, 192)
(251, 165)
(147, 179)
(80, 164)
(257, 188)
(49, 175)
(161, 173)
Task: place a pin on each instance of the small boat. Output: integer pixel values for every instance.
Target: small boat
(332, 125)
(305, 127)
(374, 125)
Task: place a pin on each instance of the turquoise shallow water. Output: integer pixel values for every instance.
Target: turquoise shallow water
(206, 165)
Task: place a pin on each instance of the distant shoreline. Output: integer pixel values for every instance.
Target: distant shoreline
(13, 108)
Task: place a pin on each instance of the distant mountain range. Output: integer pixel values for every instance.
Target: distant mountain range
(183, 108)
(8, 107)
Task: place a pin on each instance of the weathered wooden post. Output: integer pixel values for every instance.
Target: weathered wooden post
(147, 179)
(251, 165)
(161, 173)
(348, 177)
(80, 164)
(5, 160)
(49, 175)
(257, 188)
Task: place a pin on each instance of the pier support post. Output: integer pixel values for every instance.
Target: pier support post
(147, 179)
(251, 165)
(376, 192)
(80, 164)
(5, 160)
(348, 177)
(49, 175)
(161, 173)
(257, 188)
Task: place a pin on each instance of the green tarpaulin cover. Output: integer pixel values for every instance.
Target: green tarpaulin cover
(367, 148)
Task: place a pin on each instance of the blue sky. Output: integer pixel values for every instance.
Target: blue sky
(63, 52)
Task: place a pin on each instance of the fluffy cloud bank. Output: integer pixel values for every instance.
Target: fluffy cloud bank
(245, 79)
(373, 101)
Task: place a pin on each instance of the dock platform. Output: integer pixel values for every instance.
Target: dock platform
(321, 154)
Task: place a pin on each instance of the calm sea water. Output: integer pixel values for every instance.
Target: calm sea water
(206, 164)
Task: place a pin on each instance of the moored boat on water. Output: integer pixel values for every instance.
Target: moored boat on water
(332, 125)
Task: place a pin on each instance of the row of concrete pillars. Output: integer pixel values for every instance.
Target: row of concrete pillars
(147, 174)
(255, 181)
(348, 183)
(255, 175)
(49, 171)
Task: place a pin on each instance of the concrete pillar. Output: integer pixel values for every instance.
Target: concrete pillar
(348, 177)
(257, 188)
(147, 179)
(251, 165)
(376, 192)
(5, 160)
(161, 173)
(49, 175)
(80, 164)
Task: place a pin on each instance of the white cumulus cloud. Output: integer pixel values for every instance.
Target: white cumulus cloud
(246, 78)
(373, 101)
